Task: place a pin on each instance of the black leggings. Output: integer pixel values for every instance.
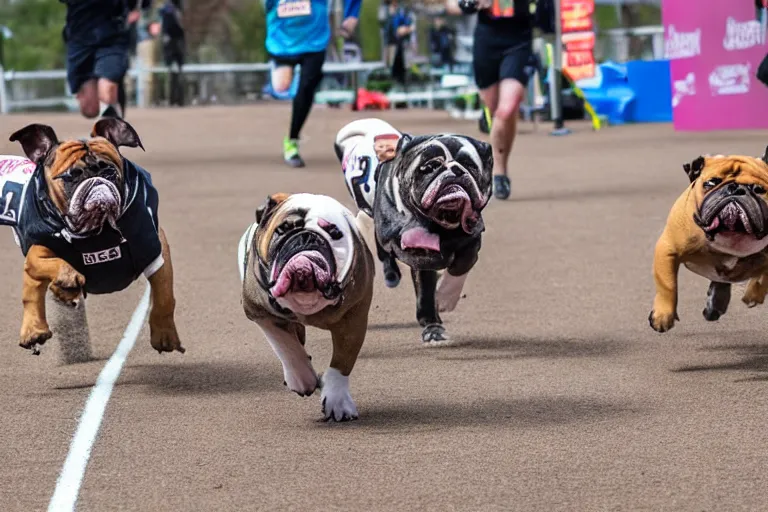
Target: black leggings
(309, 81)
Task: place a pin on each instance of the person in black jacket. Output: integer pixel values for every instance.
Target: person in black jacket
(97, 36)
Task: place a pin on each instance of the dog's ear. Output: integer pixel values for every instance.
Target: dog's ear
(693, 169)
(118, 132)
(266, 209)
(765, 155)
(485, 151)
(37, 140)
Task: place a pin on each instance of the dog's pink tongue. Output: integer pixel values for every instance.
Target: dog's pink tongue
(297, 275)
(420, 238)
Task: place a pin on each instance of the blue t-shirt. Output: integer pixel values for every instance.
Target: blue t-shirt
(301, 26)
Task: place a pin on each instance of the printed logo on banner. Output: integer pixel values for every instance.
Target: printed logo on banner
(740, 35)
(682, 45)
(93, 258)
(683, 88)
(729, 79)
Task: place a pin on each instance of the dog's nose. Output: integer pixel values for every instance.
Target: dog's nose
(735, 189)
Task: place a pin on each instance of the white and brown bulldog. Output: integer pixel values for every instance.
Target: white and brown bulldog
(303, 262)
(425, 196)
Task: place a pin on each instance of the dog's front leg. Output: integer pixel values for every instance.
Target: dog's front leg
(425, 283)
(389, 265)
(452, 281)
(287, 342)
(666, 264)
(41, 268)
(163, 335)
(348, 337)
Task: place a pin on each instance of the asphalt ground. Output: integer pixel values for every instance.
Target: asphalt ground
(556, 394)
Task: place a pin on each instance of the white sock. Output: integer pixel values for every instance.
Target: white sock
(115, 106)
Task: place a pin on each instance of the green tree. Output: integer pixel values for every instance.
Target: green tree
(37, 41)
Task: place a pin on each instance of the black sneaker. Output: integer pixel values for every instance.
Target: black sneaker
(501, 186)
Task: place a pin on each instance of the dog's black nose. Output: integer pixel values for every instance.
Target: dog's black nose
(735, 189)
(458, 171)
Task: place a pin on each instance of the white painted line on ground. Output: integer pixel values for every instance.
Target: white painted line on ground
(71, 477)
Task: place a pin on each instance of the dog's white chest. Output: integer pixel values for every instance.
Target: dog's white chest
(715, 273)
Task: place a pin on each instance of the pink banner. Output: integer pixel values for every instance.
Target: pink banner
(715, 47)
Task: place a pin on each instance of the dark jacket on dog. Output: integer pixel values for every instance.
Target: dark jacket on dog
(111, 260)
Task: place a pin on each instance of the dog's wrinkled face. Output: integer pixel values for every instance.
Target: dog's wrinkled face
(732, 198)
(305, 245)
(84, 177)
(444, 180)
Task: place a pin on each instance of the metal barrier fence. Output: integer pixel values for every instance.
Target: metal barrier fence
(140, 74)
(615, 44)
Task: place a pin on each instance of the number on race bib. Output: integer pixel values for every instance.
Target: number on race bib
(10, 202)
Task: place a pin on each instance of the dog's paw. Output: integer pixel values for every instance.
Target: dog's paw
(391, 279)
(164, 337)
(752, 297)
(68, 286)
(337, 403)
(302, 380)
(711, 314)
(434, 334)
(662, 322)
(34, 337)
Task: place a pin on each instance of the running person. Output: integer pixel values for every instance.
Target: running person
(97, 37)
(501, 52)
(298, 32)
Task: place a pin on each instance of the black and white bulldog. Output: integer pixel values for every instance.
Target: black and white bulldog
(425, 195)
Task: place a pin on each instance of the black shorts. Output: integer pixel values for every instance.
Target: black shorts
(86, 61)
(495, 57)
(311, 65)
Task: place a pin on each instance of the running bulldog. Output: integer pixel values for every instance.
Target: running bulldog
(85, 218)
(425, 196)
(303, 262)
(717, 228)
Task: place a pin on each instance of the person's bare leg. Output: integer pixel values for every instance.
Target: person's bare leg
(282, 76)
(88, 98)
(504, 100)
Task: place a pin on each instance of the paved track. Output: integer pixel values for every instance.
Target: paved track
(556, 396)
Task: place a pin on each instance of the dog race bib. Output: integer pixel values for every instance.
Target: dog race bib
(294, 8)
(15, 173)
(361, 163)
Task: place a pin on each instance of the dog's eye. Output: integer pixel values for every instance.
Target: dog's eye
(713, 182)
(433, 165)
(70, 175)
(758, 189)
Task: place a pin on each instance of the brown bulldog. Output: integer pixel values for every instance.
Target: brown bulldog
(303, 262)
(718, 228)
(86, 220)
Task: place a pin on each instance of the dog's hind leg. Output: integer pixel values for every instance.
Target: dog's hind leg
(163, 335)
(285, 338)
(718, 298)
(425, 284)
(348, 337)
(755, 292)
